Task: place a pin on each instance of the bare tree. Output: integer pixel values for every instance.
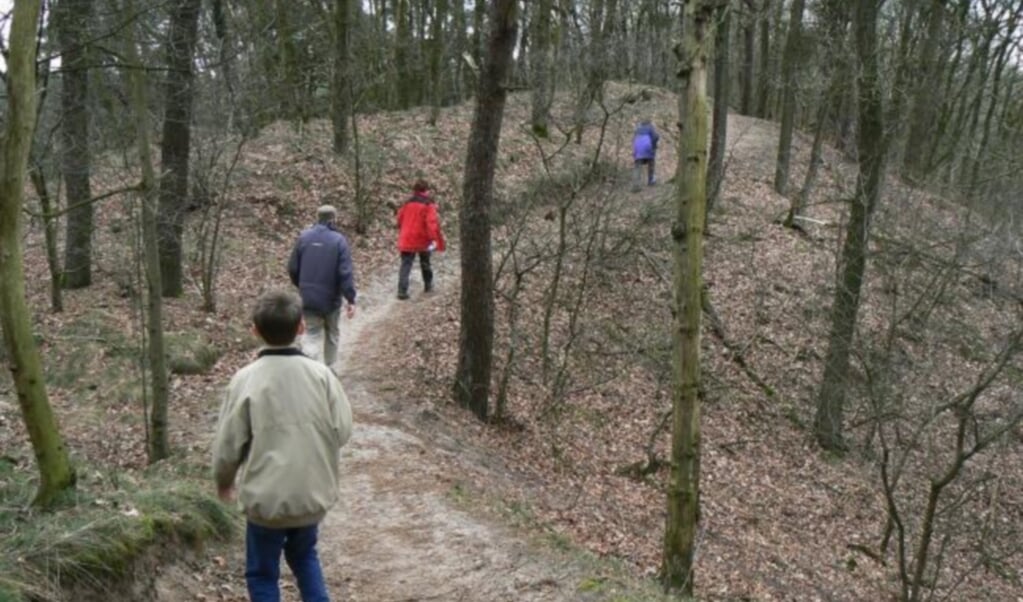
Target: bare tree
(540, 67)
(872, 146)
(476, 339)
(55, 472)
(722, 96)
(793, 52)
(341, 98)
(174, 147)
(683, 500)
(159, 447)
(71, 21)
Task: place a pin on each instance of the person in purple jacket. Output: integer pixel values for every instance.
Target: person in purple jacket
(644, 152)
(321, 267)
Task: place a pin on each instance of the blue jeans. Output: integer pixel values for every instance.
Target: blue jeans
(263, 547)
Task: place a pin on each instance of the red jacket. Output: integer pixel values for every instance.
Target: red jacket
(418, 225)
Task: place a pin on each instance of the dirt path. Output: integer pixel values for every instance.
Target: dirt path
(398, 534)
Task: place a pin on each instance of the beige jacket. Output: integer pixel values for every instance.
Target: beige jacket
(285, 417)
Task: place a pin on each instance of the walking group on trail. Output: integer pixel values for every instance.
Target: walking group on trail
(285, 416)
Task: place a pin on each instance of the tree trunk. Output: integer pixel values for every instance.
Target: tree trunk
(749, 36)
(174, 148)
(55, 472)
(971, 176)
(594, 66)
(71, 20)
(437, 59)
(923, 107)
(540, 67)
(800, 200)
(50, 235)
(793, 42)
(722, 96)
(476, 339)
(683, 512)
(340, 98)
(461, 34)
(479, 24)
(159, 447)
(835, 22)
(402, 58)
(977, 188)
(872, 148)
(764, 68)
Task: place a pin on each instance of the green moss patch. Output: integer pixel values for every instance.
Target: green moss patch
(97, 538)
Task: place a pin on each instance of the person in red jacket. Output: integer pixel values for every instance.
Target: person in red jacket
(418, 234)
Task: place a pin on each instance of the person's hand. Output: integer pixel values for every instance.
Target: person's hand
(431, 247)
(350, 311)
(226, 494)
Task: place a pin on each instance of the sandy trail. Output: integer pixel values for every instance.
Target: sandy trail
(397, 533)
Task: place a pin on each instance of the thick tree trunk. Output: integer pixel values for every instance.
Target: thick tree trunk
(683, 511)
(176, 143)
(159, 447)
(872, 149)
(55, 471)
(476, 339)
(540, 67)
(788, 108)
(341, 100)
(722, 97)
(71, 19)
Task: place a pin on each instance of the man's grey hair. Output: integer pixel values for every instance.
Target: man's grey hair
(326, 214)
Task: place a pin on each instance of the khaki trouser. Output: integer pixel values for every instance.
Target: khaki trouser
(317, 328)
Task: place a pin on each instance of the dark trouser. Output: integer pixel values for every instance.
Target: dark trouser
(263, 547)
(406, 269)
(638, 172)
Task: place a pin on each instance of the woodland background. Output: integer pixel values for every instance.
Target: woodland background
(859, 397)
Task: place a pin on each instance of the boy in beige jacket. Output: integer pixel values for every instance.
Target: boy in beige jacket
(283, 422)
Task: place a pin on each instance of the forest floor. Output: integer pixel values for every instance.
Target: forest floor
(546, 505)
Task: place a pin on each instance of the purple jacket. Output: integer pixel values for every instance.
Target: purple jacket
(321, 267)
(644, 142)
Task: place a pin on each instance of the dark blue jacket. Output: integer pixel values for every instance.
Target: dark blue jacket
(321, 268)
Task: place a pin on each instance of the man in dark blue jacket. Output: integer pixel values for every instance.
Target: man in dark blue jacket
(321, 267)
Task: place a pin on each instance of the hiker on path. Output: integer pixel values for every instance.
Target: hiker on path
(644, 152)
(419, 234)
(321, 267)
(285, 418)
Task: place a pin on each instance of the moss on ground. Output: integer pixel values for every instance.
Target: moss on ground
(101, 532)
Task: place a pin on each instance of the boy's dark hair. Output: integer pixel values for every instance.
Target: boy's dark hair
(276, 317)
(421, 185)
